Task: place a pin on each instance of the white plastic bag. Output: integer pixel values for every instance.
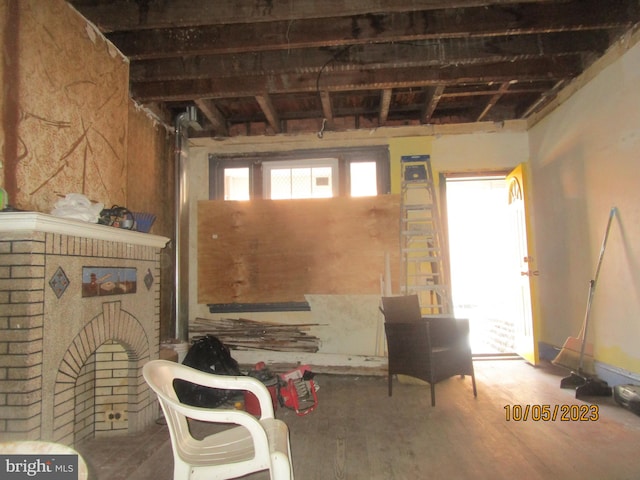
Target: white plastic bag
(78, 207)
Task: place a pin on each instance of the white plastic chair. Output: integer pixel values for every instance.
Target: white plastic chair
(253, 445)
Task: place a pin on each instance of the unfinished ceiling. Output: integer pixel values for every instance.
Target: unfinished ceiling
(255, 67)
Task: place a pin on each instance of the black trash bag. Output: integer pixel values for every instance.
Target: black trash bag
(207, 354)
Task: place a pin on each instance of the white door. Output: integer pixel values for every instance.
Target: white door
(524, 273)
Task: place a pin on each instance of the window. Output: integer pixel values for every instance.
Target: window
(315, 178)
(363, 179)
(303, 174)
(236, 183)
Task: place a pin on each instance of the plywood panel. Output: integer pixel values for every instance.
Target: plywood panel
(267, 251)
(72, 95)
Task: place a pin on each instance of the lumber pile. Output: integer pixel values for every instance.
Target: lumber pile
(242, 333)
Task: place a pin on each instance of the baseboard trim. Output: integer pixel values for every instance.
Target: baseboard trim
(611, 374)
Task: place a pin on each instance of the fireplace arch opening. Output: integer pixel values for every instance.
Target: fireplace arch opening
(99, 389)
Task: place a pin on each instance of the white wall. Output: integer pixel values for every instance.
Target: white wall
(585, 159)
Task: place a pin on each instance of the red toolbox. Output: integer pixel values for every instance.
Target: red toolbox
(298, 391)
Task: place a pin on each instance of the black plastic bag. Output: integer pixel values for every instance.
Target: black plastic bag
(207, 354)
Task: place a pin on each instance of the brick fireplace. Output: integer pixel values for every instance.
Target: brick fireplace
(79, 316)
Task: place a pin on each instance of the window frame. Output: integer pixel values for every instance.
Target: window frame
(256, 162)
(333, 163)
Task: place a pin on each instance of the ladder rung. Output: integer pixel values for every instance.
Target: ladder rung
(425, 277)
(416, 216)
(412, 184)
(420, 232)
(416, 244)
(420, 219)
(428, 281)
(425, 255)
(432, 288)
(417, 206)
(426, 223)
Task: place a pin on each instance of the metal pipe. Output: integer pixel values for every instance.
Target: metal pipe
(182, 229)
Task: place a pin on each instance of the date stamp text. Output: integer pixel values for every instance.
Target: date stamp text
(551, 413)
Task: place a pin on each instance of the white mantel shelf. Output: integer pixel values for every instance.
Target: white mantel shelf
(16, 222)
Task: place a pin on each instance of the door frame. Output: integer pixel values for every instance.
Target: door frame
(533, 356)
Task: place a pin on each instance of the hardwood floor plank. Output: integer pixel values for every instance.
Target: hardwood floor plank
(359, 432)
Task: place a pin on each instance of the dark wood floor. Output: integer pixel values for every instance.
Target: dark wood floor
(358, 432)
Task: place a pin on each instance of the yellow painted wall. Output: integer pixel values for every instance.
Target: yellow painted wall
(399, 147)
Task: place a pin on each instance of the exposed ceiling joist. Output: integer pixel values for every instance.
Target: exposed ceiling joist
(494, 99)
(269, 112)
(215, 117)
(433, 97)
(385, 102)
(327, 109)
(242, 86)
(346, 31)
(117, 15)
(256, 66)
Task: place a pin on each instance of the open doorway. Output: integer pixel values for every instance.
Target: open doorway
(478, 236)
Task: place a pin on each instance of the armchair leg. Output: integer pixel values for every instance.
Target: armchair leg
(389, 379)
(473, 382)
(433, 395)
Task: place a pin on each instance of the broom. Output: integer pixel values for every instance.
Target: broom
(576, 353)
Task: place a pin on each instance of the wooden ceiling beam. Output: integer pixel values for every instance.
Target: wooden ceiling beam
(493, 100)
(327, 108)
(433, 98)
(269, 111)
(492, 21)
(215, 116)
(541, 69)
(128, 15)
(385, 102)
(426, 53)
(544, 99)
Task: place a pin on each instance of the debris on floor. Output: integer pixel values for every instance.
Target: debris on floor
(251, 334)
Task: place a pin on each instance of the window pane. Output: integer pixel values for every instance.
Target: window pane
(280, 183)
(363, 179)
(302, 182)
(236, 183)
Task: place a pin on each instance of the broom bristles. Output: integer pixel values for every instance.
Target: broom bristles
(569, 356)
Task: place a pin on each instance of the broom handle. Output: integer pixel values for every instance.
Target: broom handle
(592, 289)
